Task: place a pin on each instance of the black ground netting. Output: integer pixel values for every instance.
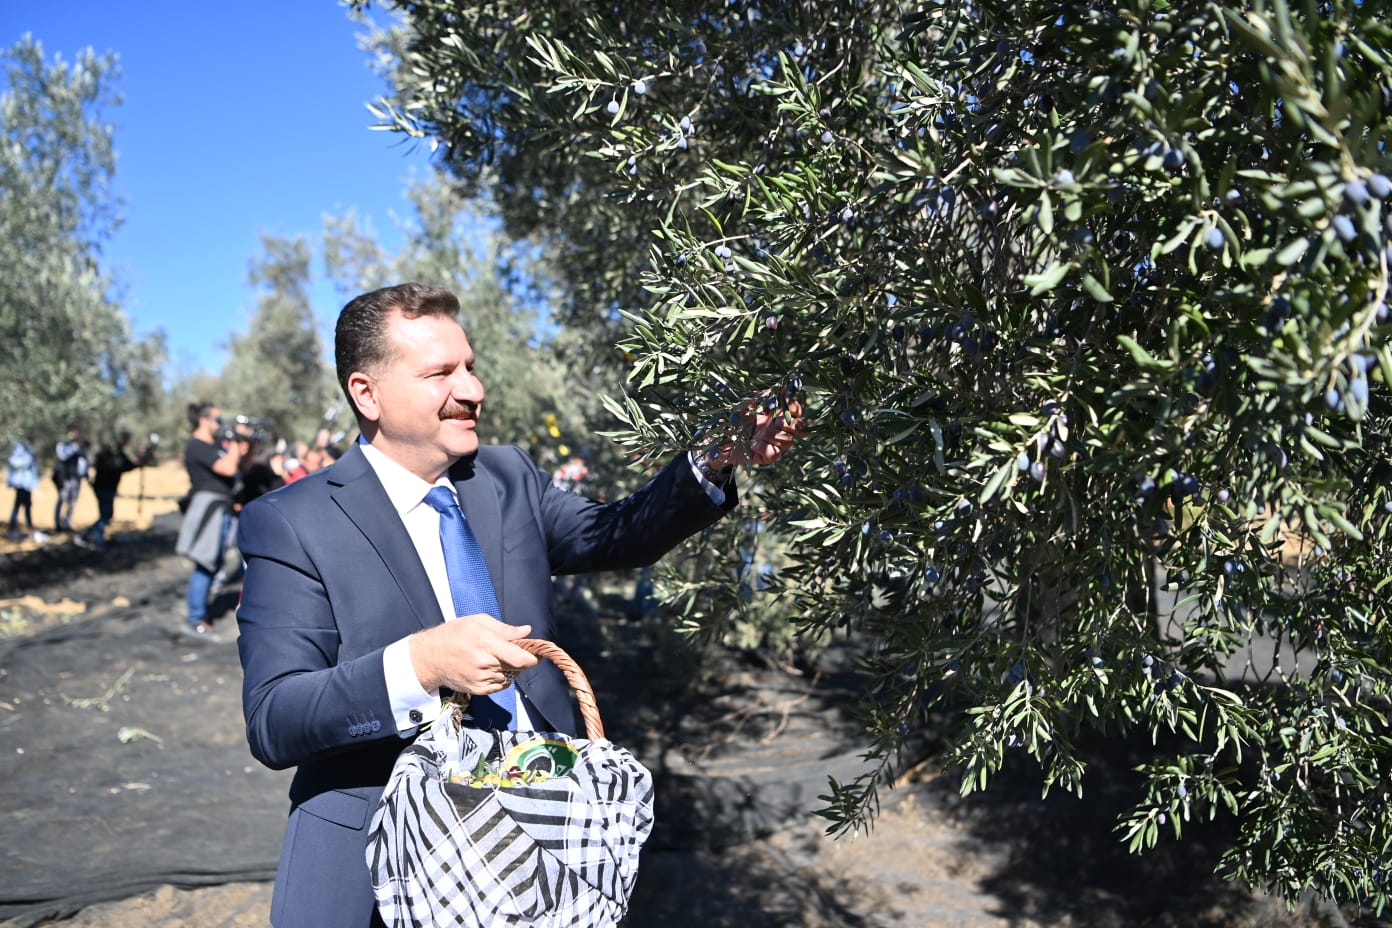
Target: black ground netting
(123, 766)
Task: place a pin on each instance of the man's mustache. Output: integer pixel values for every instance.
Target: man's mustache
(460, 411)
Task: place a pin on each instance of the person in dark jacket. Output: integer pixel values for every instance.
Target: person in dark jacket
(110, 464)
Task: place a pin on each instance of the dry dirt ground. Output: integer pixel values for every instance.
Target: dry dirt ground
(740, 756)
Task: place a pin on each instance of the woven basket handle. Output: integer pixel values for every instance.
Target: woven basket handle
(584, 694)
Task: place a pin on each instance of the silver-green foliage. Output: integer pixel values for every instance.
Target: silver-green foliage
(449, 242)
(66, 352)
(1091, 303)
(276, 369)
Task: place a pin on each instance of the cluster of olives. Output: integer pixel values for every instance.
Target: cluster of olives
(514, 777)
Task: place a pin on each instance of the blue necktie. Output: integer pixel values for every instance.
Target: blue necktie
(471, 588)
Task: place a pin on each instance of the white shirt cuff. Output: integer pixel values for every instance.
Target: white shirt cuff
(411, 706)
(716, 494)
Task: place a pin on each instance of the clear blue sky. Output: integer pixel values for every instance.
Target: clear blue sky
(238, 119)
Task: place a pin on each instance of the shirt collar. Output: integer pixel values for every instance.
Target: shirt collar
(405, 490)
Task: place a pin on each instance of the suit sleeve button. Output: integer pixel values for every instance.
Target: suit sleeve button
(415, 716)
(376, 725)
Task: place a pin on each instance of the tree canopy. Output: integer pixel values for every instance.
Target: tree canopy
(66, 351)
(1090, 301)
(450, 242)
(276, 370)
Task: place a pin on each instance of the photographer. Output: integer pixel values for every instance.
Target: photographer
(257, 475)
(212, 458)
(110, 464)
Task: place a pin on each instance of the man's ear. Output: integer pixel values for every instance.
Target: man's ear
(363, 391)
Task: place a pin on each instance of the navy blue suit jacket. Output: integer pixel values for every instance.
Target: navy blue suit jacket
(332, 579)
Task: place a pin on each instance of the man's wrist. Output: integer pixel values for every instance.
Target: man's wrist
(714, 465)
(419, 650)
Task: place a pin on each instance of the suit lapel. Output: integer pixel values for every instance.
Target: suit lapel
(359, 493)
(478, 497)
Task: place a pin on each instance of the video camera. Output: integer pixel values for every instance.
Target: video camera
(150, 450)
(245, 428)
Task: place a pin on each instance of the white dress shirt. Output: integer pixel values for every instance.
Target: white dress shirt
(407, 494)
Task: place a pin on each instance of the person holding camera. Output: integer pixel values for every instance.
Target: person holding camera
(212, 457)
(110, 464)
(258, 475)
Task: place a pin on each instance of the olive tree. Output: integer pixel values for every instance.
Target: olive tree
(1090, 303)
(66, 350)
(451, 240)
(276, 369)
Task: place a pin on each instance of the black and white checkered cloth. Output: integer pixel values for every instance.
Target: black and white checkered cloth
(561, 852)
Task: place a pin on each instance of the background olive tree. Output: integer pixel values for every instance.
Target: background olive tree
(451, 240)
(276, 369)
(66, 350)
(1090, 303)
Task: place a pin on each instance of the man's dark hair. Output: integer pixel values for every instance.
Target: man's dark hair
(360, 337)
(197, 411)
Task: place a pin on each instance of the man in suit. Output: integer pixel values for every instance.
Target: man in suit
(348, 632)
